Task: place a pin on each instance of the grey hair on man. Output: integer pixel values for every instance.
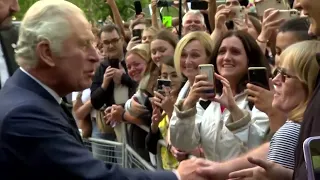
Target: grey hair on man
(44, 22)
(195, 13)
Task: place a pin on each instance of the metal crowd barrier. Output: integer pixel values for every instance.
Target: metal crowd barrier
(118, 152)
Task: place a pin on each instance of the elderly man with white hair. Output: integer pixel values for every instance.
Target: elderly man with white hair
(39, 138)
(193, 20)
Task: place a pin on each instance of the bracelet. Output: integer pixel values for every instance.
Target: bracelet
(264, 42)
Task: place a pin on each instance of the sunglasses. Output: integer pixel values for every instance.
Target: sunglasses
(283, 74)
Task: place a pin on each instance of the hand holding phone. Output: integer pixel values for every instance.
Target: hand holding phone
(137, 33)
(208, 70)
(263, 5)
(258, 76)
(163, 83)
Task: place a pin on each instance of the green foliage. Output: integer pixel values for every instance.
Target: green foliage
(94, 9)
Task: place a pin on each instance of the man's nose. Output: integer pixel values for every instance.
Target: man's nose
(15, 6)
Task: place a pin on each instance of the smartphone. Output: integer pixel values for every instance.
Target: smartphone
(114, 63)
(288, 14)
(263, 5)
(164, 3)
(238, 12)
(208, 69)
(220, 2)
(311, 151)
(137, 7)
(199, 5)
(258, 76)
(137, 33)
(161, 83)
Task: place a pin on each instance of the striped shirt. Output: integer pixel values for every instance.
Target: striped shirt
(283, 145)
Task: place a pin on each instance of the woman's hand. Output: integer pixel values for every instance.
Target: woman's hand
(221, 18)
(227, 98)
(270, 23)
(113, 113)
(165, 101)
(179, 155)
(265, 170)
(201, 88)
(261, 97)
(156, 118)
(133, 42)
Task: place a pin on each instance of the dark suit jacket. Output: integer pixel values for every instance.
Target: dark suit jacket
(310, 127)
(7, 38)
(99, 96)
(37, 142)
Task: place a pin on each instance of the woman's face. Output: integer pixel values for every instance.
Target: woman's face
(168, 72)
(147, 37)
(232, 59)
(252, 30)
(192, 56)
(289, 90)
(284, 40)
(136, 66)
(160, 48)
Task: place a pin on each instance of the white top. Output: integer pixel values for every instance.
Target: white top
(84, 98)
(220, 137)
(4, 73)
(52, 92)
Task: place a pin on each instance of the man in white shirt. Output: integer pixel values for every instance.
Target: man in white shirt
(8, 38)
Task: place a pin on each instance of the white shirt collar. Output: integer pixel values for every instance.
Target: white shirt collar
(52, 92)
(4, 73)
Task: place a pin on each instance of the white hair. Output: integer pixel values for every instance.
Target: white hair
(47, 20)
(193, 12)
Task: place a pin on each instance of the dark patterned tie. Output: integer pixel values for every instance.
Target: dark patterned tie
(71, 120)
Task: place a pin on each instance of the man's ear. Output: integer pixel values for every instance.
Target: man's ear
(44, 53)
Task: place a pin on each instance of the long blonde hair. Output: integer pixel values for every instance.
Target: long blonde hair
(301, 59)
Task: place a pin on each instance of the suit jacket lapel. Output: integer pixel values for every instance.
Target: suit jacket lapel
(8, 38)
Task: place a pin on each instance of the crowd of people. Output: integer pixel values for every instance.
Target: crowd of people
(232, 128)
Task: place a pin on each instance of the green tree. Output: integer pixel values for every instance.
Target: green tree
(94, 9)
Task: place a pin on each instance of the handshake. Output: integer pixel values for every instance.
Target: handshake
(201, 169)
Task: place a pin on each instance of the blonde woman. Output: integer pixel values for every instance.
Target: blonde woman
(223, 123)
(294, 84)
(148, 34)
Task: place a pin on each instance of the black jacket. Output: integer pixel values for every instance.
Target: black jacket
(99, 96)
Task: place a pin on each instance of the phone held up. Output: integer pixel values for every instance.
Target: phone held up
(114, 63)
(161, 83)
(311, 151)
(208, 70)
(137, 7)
(258, 76)
(137, 33)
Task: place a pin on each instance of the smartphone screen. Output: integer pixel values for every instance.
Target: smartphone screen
(258, 76)
(114, 63)
(315, 157)
(137, 33)
(161, 83)
(138, 7)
